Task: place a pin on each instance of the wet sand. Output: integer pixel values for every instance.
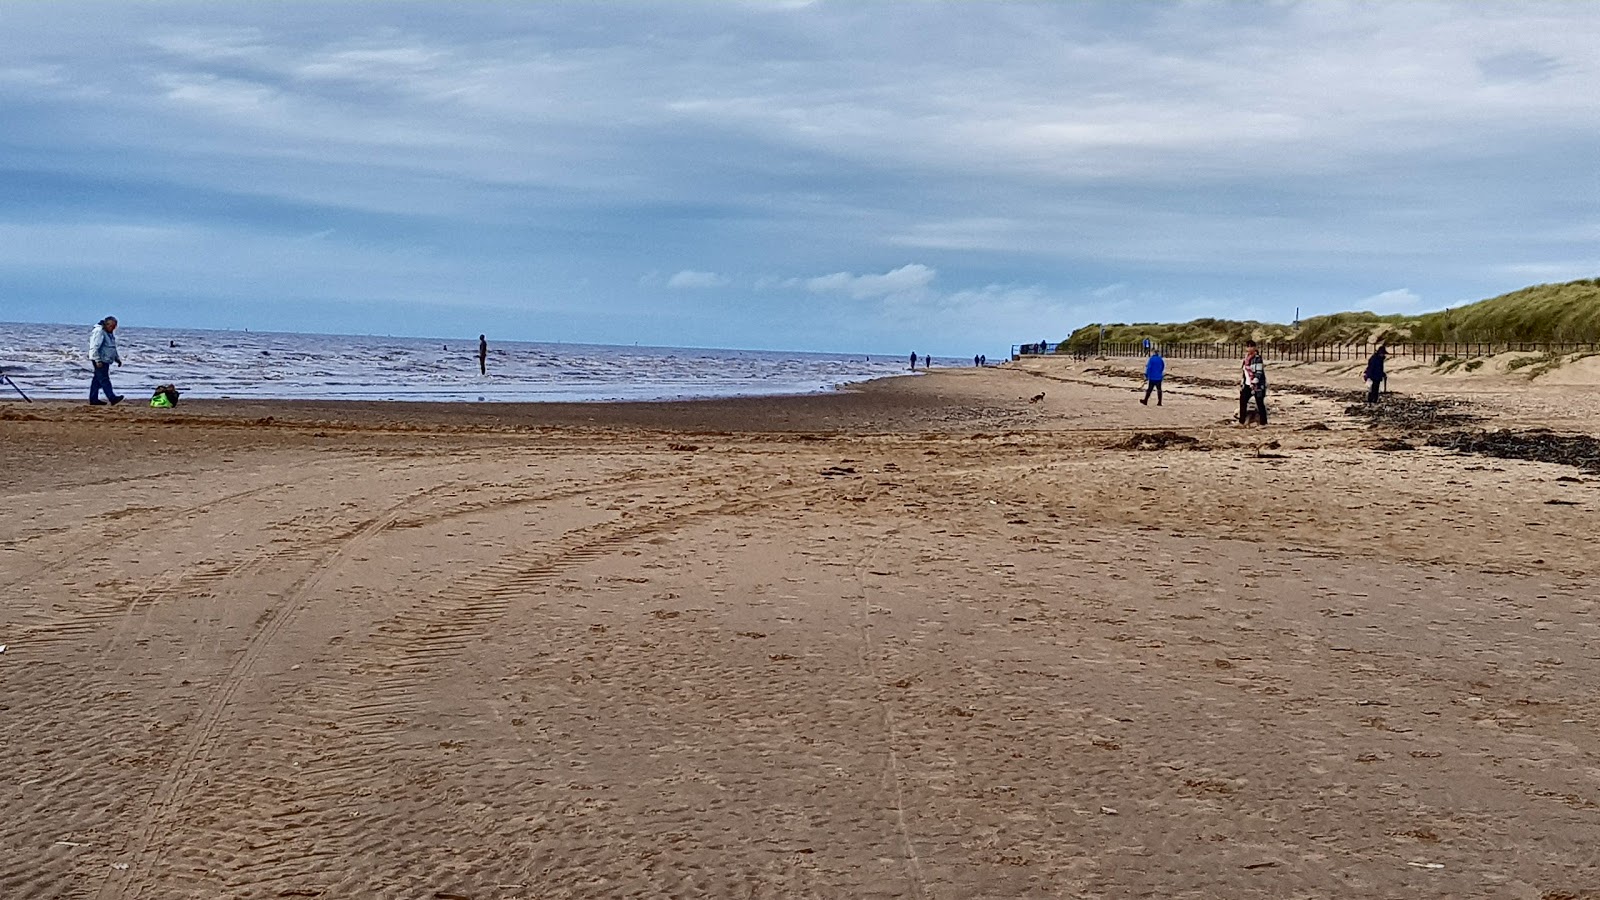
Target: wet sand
(926, 639)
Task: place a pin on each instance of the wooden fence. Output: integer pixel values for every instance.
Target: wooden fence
(1427, 351)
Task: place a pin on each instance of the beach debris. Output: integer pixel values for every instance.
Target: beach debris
(1581, 451)
(1411, 413)
(683, 448)
(1261, 865)
(832, 471)
(1425, 865)
(1561, 503)
(1108, 811)
(1392, 445)
(1158, 440)
(2, 648)
(1261, 451)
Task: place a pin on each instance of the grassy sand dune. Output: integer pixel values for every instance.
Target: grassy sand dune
(1542, 313)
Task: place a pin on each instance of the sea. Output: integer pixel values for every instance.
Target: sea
(51, 361)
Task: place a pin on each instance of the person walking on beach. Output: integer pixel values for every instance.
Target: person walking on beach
(1374, 374)
(483, 355)
(913, 362)
(1155, 369)
(1253, 383)
(102, 353)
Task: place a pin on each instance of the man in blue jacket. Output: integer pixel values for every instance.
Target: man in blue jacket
(102, 353)
(1154, 370)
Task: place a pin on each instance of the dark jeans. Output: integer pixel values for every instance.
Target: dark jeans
(1372, 391)
(1245, 394)
(1153, 386)
(101, 382)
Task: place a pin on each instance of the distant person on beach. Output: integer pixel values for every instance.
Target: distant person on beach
(483, 355)
(983, 360)
(1253, 383)
(975, 362)
(913, 362)
(1374, 374)
(102, 353)
(1155, 369)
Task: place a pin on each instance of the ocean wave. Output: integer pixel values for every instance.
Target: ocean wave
(52, 359)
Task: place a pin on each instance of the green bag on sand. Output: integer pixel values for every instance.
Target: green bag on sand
(166, 397)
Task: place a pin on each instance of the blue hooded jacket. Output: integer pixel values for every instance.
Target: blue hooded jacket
(1156, 368)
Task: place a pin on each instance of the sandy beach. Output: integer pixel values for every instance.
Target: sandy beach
(925, 639)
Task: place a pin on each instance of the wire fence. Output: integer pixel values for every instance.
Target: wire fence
(1430, 351)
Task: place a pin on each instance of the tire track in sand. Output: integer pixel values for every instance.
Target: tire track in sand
(73, 556)
(170, 796)
(374, 717)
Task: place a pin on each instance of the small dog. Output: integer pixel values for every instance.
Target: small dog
(1037, 397)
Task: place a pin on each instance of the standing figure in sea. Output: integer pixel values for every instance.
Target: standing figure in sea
(1253, 383)
(913, 362)
(483, 355)
(102, 353)
(1155, 369)
(1374, 375)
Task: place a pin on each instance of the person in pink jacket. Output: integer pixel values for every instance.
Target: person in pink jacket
(1253, 383)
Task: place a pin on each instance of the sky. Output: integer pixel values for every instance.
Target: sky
(859, 176)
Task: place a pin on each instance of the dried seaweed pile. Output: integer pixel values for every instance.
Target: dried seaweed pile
(1411, 413)
(1158, 440)
(1578, 450)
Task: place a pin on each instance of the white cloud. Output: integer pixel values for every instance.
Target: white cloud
(907, 279)
(1397, 300)
(689, 278)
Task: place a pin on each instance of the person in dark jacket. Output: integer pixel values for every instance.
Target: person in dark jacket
(1155, 369)
(1374, 374)
(483, 355)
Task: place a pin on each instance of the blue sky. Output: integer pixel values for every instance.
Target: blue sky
(852, 176)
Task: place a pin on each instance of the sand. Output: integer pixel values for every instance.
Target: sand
(927, 639)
